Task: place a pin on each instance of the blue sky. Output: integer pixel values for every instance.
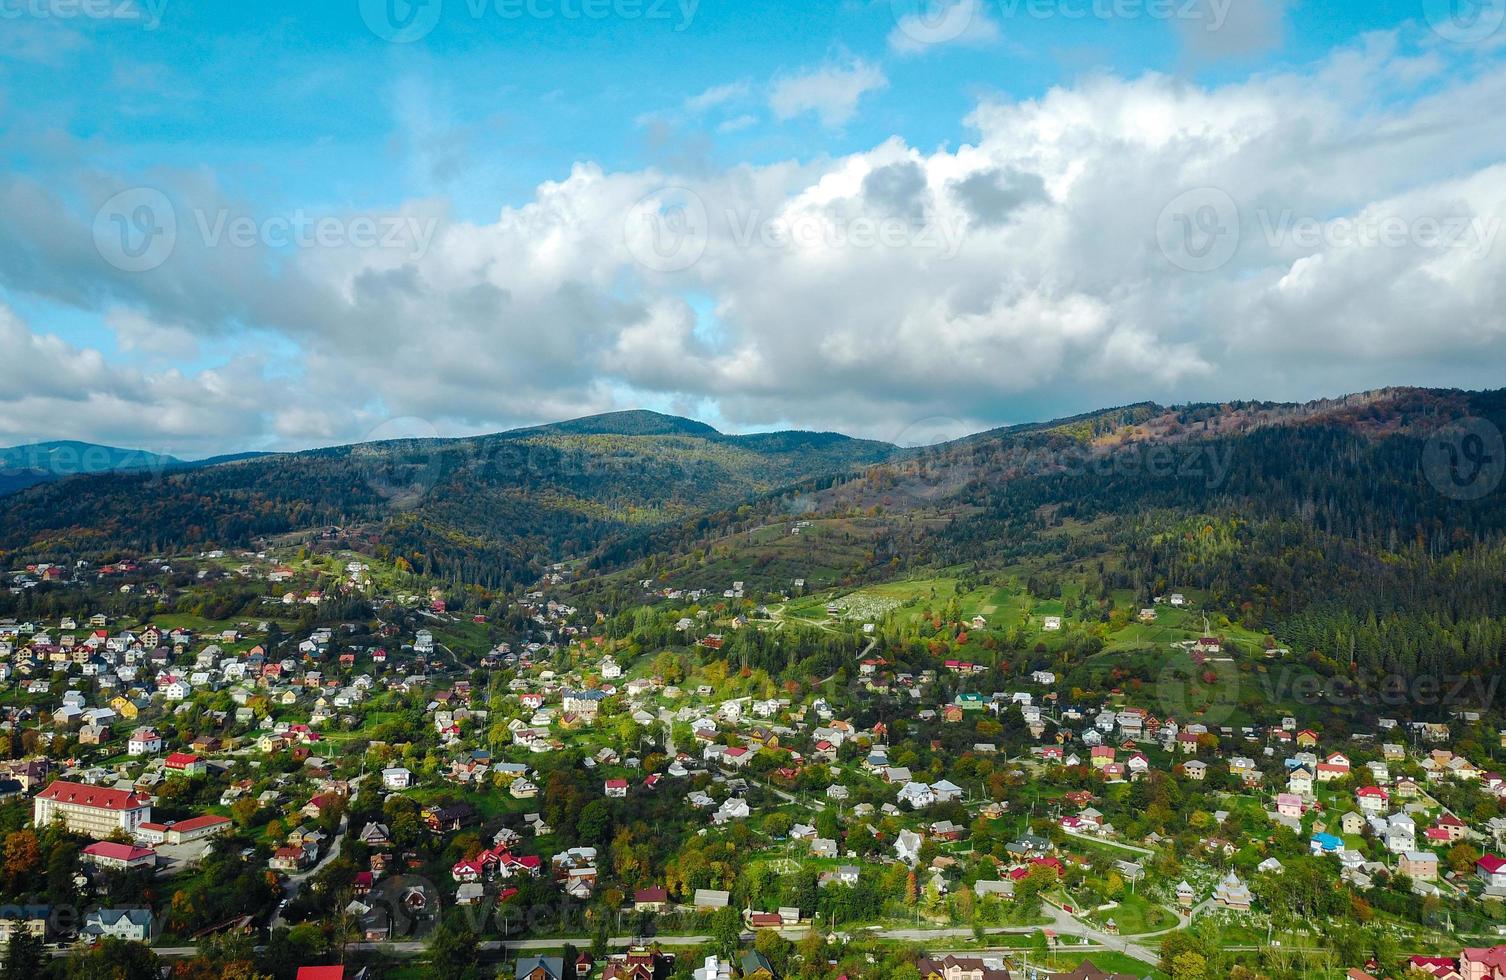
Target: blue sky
(512, 139)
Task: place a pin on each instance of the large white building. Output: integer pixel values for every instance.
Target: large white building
(94, 811)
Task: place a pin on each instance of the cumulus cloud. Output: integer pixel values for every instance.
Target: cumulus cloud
(1057, 261)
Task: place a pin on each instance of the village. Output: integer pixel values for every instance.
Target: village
(634, 797)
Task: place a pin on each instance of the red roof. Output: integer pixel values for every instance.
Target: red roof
(198, 823)
(321, 973)
(180, 759)
(117, 852)
(99, 797)
(1490, 864)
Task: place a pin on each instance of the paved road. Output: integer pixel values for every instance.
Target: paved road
(1063, 924)
(295, 881)
(1110, 843)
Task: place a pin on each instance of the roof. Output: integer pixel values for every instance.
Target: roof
(321, 973)
(1490, 864)
(98, 797)
(197, 823)
(110, 850)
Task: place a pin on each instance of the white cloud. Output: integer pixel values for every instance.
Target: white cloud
(718, 95)
(831, 92)
(737, 124)
(931, 25)
(1014, 276)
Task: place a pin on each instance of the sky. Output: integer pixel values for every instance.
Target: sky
(281, 225)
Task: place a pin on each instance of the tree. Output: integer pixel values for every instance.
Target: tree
(454, 951)
(244, 810)
(1461, 857)
(1189, 965)
(726, 931)
(24, 957)
(23, 856)
(114, 959)
(595, 818)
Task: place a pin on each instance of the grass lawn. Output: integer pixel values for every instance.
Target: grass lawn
(1137, 914)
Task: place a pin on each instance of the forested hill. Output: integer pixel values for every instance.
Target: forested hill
(488, 509)
(1374, 525)
(43, 462)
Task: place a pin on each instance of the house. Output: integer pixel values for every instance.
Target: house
(1336, 766)
(1372, 800)
(292, 859)
(453, 816)
(1326, 844)
(710, 899)
(617, 788)
(907, 847)
(1492, 871)
(1482, 964)
(185, 764)
(396, 778)
(755, 966)
(961, 968)
(650, 900)
(946, 791)
(375, 836)
(535, 967)
(1418, 865)
(144, 741)
(132, 925)
(714, 969)
(732, 808)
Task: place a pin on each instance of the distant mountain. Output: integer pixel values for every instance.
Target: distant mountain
(43, 462)
(488, 509)
(633, 423)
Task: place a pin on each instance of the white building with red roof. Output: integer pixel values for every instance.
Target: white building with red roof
(119, 857)
(94, 811)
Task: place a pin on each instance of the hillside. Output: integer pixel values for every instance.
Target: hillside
(486, 509)
(43, 462)
(1331, 525)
